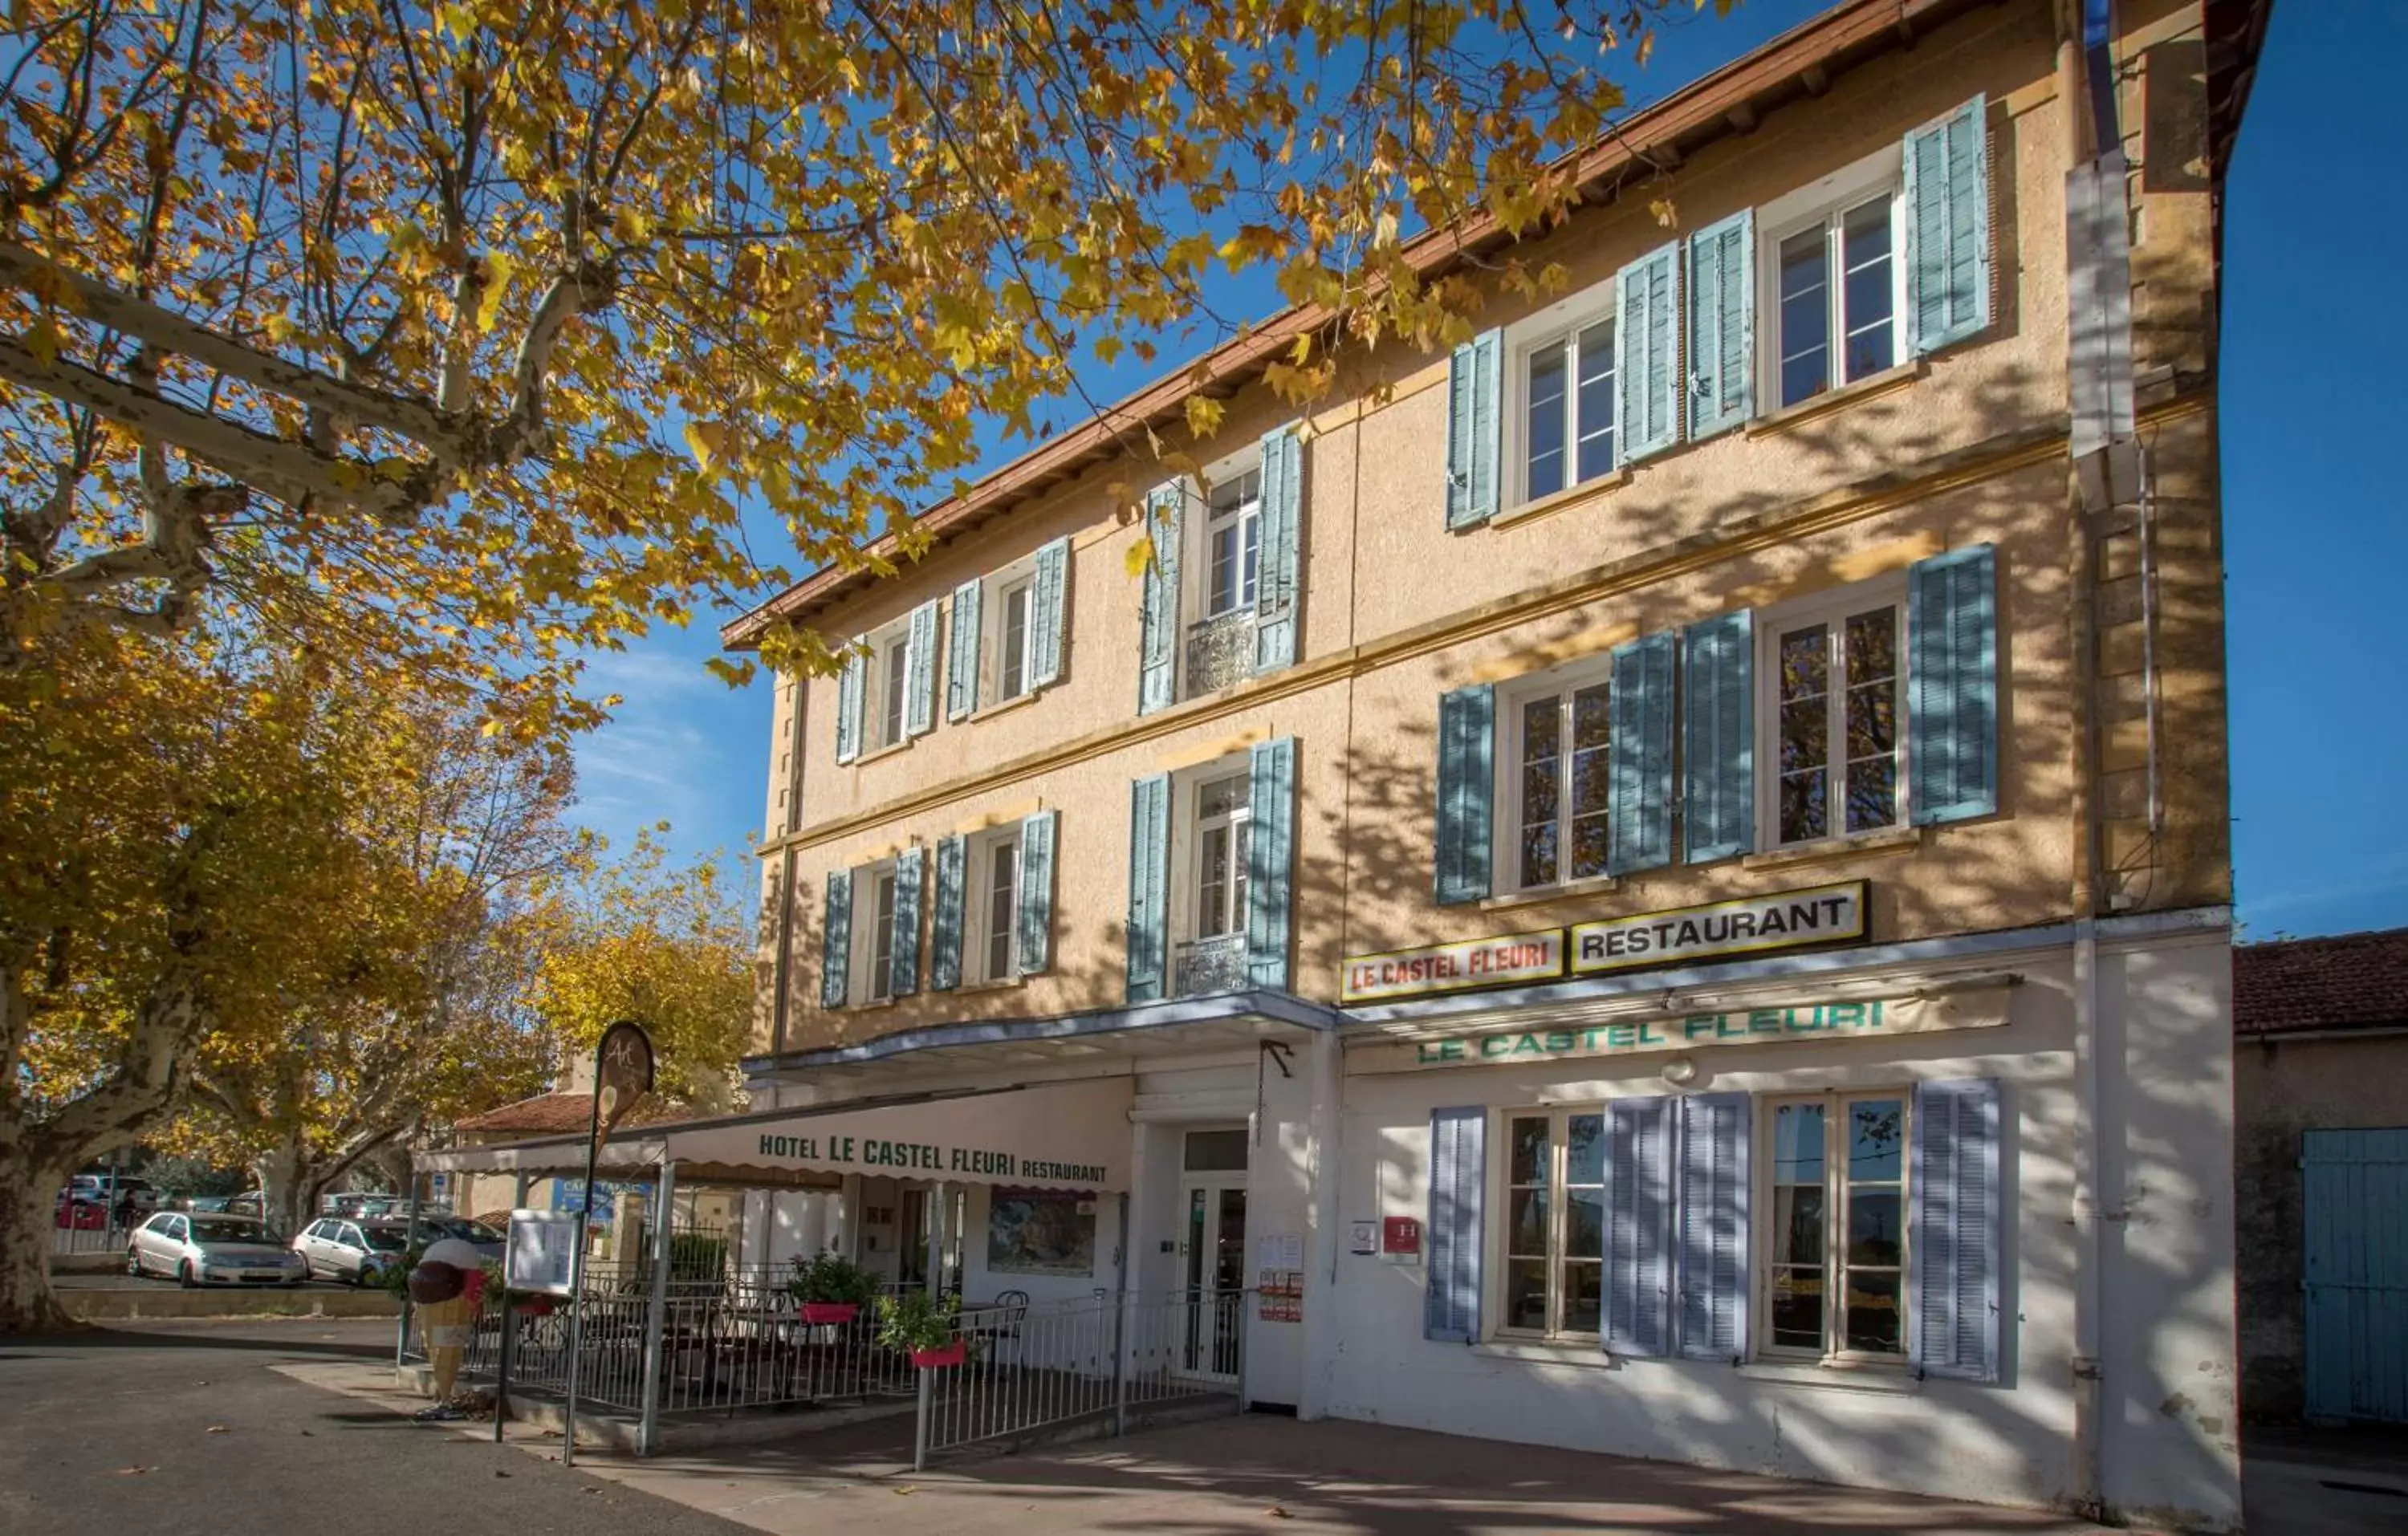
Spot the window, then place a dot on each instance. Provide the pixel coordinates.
(1567, 417)
(1214, 1152)
(893, 673)
(1223, 823)
(1557, 788)
(1233, 533)
(1836, 1280)
(879, 938)
(1011, 637)
(1837, 298)
(998, 907)
(1555, 1224)
(1836, 685)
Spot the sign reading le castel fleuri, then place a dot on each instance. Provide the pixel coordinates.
(1755, 925)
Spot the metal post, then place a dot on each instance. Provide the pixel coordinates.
(1245, 1326)
(656, 1309)
(409, 1233)
(920, 1432)
(502, 1373)
(577, 1285)
(1120, 1319)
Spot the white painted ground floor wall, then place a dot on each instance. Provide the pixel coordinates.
(2169, 1445)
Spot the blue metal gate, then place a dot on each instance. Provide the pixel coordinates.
(2356, 1272)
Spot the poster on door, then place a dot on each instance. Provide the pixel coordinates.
(1279, 1295)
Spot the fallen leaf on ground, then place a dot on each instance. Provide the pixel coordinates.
(906, 1490)
(133, 1472)
(310, 1433)
(215, 1430)
(1279, 1512)
(498, 1472)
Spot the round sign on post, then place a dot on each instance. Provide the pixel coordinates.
(623, 1074)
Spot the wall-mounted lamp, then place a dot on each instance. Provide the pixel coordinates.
(1681, 1071)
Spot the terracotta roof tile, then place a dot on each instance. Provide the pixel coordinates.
(2353, 981)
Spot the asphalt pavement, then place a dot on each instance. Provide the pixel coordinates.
(167, 1428)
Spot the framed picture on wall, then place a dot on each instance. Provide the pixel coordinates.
(1040, 1232)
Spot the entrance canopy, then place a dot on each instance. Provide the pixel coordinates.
(1070, 1135)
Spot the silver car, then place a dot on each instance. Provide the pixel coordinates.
(360, 1252)
(202, 1249)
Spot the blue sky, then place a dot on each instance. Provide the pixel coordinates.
(2317, 532)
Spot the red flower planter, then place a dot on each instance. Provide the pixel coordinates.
(816, 1312)
(952, 1354)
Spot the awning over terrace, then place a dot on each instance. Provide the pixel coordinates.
(1071, 1135)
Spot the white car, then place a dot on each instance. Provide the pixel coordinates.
(203, 1248)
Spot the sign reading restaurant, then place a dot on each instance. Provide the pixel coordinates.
(1755, 925)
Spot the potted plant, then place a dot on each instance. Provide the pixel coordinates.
(922, 1325)
(832, 1288)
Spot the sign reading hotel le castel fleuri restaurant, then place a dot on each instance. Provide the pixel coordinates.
(1755, 925)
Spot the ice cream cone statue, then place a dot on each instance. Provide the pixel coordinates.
(448, 1290)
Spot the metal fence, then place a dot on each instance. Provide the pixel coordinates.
(105, 1236)
(1034, 1367)
(739, 1343)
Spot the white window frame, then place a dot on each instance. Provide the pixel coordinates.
(978, 917)
(1500, 1240)
(1833, 610)
(890, 652)
(1835, 1104)
(1561, 320)
(1824, 202)
(1245, 515)
(995, 641)
(1562, 682)
(876, 979)
(1185, 864)
(1196, 554)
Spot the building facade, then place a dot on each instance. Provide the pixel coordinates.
(2320, 1147)
(1657, 878)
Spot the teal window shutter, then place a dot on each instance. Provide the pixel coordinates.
(1952, 685)
(1270, 862)
(1948, 228)
(1032, 939)
(962, 654)
(1050, 597)
(1647, 353)
(904, 975)
(1718, 736)
(1458, 1181)
(1722, 324)
(1712, 1225)
(1639, 1135)
(836, 938)
(1475, 409)
(1282, 530)
(1157, 683)
(1466, 783)
(1639, 767)
(848, 706)
(945, 928)
(920, 672)
(1149, 918)
(1953, 1249)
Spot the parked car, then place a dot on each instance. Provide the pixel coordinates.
(489, 1243)
(83, 1216)
(95, 1187)
(201, 1248)
(359, 1252)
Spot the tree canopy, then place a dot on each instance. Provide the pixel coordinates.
(470, 329)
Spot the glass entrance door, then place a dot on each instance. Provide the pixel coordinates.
(1213, 1258)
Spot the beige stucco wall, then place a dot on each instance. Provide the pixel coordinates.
(1967, 447)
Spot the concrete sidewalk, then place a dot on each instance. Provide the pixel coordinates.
(1237, 1475)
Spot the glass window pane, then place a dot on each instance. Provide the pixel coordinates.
(1874, 1235)
(1239, 846)
(1806, 662)
(1872, 720)
(1541, 749)
(1798, 1309)
(1528, 1142)
(1797, 1144)
(1252, 531)
(1872, 1311)
(1584, 1295)
(1543, 423)
(1805, 317)
(1873, 794)
(1584, 1223)
(1805, 807)
(1871, 642)
(1805, 735)
(1526, 1294)
(1585, 1149)
(1525, 1229)
(1876, 1141)
(1221, 796)
(1595, 402)
(1589, 787)
(1867, 293)
(1223, 591)
(1797, 1224)
(1215, 1151)
(1015, 641)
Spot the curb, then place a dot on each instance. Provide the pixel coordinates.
(133, 1304)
